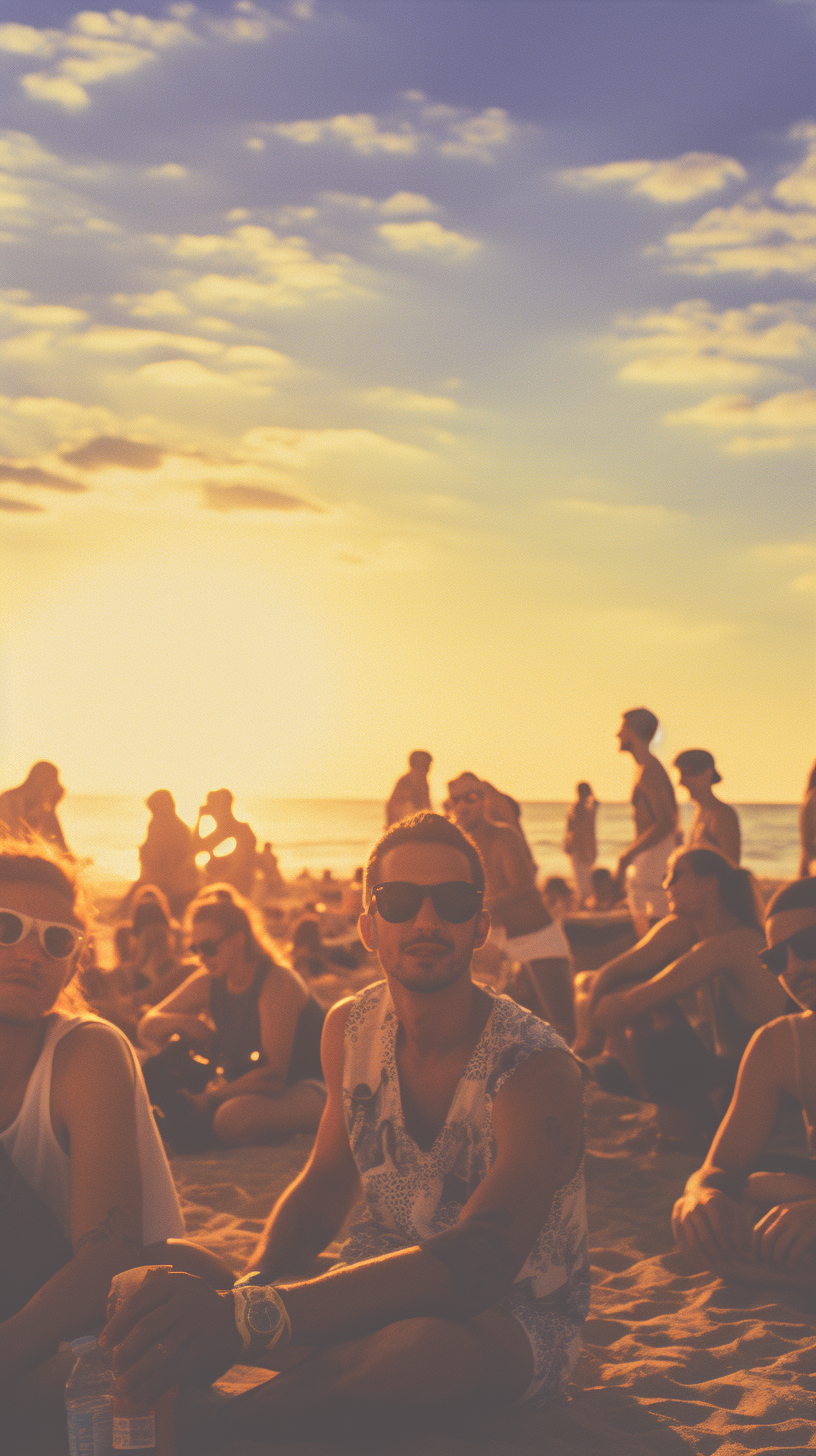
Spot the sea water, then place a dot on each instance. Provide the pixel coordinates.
(337, 834)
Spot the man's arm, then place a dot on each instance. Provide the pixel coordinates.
(537, 1118)
(93, 1097)
(708, 1224)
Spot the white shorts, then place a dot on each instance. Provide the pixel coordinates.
(549, 943)
(582, 875)
(644, 880)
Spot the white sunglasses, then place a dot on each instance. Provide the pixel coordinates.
(57, 940)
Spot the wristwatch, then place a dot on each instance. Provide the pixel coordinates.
(261, 1317)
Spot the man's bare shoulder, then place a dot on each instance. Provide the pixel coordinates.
(653, 772)
(91, 1062)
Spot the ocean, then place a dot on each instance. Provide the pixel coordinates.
(337, 834)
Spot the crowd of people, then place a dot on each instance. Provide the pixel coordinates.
(449, 1117)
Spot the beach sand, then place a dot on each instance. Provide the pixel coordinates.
(673, 1362)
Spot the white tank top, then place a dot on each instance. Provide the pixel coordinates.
(33, 1148)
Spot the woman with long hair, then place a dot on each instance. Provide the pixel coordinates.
(237, 1045)
(708, 946)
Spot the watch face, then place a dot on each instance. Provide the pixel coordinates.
(263, 1317)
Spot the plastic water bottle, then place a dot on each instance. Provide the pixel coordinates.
(89, 1401)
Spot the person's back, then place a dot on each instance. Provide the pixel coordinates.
(716, 825)
(30, 808)
(410, 794)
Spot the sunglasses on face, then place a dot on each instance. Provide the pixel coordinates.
(455, 901)
(206, 949)
(469, 798)
(802, 943)
(57, 940)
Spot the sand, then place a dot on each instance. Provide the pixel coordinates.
(673, 1362)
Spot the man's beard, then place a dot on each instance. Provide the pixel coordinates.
(458, 967)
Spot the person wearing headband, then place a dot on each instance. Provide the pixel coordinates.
(85, 1187)
(458, 1117)
(749, 1212)
(716, 825)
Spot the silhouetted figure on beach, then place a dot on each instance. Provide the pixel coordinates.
(31, 807)
(579, 839)
(521, 925)
(807, 828)
(750, 1212)
(654, 809)
(230, 845)
(411, 793)
(167, 857)
(272, 881)
(715, 825)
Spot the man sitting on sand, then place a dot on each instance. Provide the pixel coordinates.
(31, 808)
(707, 945)
(410, 794)
(654, 809)
(716, 825)
(522, 927)
(465, 1278)
(745, 1213)
(85, 1188)
(230, 845)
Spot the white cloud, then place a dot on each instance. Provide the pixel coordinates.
(16, 307)
(449, 131)
(95, 47)
(279, 446)
(168, 171)
(798, 188)
(428, 238)
(410, 401)
(784, 421)
(161, 304)
(108, 339)
(678, 179)
(694, 344)
(402, 204)
(275, 272)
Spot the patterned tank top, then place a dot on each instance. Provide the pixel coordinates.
(411, 1194)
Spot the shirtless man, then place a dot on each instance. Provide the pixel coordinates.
(410, 794)
(709, 945)
(715, 825)
(465, 1278)
(654, 809)
(747, 1214)
(522, 926)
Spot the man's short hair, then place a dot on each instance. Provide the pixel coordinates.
(420, 759)
(475, 784)
(423, 828)
(642, 722)
(798, 895)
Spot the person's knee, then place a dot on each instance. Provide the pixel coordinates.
(233, 1124)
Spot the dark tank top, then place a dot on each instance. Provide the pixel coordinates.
(238, 1031)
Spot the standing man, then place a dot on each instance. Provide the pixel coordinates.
(580, 843)
(654, 809)
(411, 793)
(522, 926)
(716, 825)
(465, 1278)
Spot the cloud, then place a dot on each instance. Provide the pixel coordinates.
(16, 307)
(32, 424)
(428, 238)
(678, 179)
(401, 204)
(110, 339)
(274, 272)
(161, 304)
(95, 48)
(447, 130)
(107, 450)
(252, 498)
(622, 512)
(26, 507)
(184, 374)
(169, 171)
(32, 475)
(278, 445)
(784, 421)
(409, 400)
(694, 344)
(798, 189)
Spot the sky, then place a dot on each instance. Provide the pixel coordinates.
(383, 374)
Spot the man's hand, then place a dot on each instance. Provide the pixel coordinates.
(785, 1234)
(175, 1327)
(610, 1011)
(709, 1228)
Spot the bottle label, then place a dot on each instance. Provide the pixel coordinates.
(89, 1431)
(134, 1433)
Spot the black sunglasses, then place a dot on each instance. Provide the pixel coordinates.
(455, 901)
(802, 943)
(206, 949)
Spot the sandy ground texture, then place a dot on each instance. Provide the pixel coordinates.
(674, 1364)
